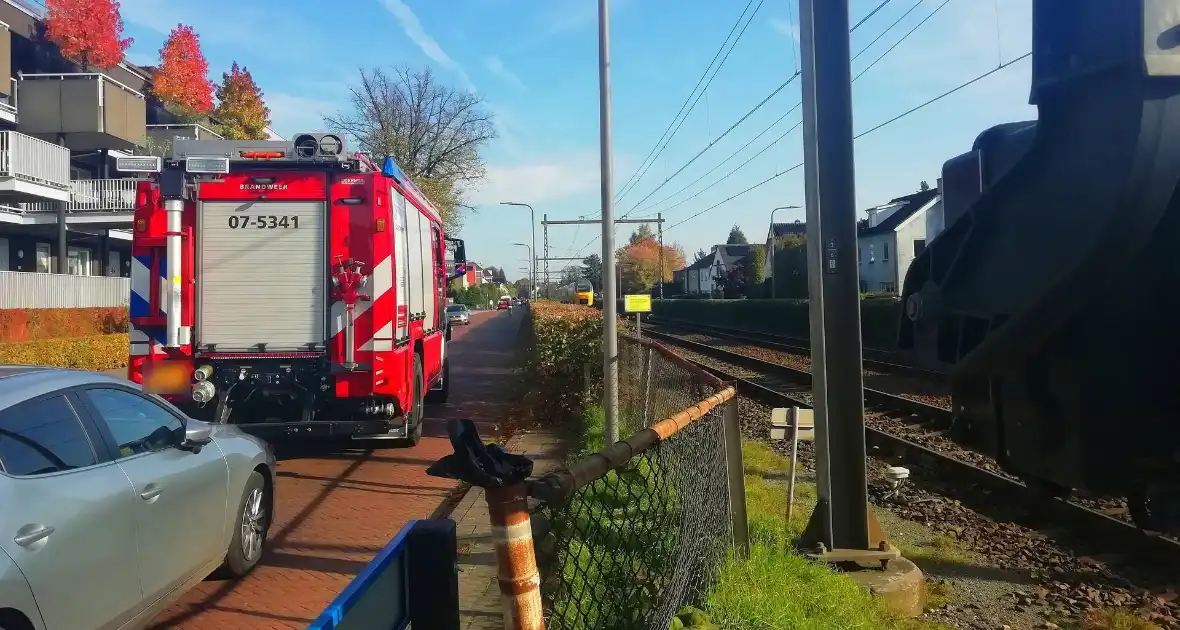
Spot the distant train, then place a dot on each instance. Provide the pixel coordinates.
(579, 292)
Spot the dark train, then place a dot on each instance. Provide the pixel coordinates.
(1049, 295)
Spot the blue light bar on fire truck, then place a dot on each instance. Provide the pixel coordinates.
(216, 165)
(138, 164)
(391, 169)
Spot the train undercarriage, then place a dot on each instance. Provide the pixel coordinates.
(1049, 296)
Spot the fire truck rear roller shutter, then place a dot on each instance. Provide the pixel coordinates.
(262, 284)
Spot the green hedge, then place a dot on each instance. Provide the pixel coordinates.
(562, 338)
(879, 316)
(97, 352)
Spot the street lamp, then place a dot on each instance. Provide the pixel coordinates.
(533, 227)
(533, 266)
(773, 237)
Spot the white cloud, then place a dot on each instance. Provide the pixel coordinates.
(413, 29)
(496, 66)
(785, 27)
(548, 179)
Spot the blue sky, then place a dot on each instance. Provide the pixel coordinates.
(535, 63)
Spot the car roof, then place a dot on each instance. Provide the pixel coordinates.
(19, 383)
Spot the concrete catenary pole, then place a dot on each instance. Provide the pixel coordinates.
(610, 346)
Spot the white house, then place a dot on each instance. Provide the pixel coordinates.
(890, 237)
(700, 277)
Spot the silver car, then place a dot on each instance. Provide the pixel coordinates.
(458, 314)
(113, 503)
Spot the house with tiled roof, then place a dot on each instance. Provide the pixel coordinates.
(890, 237)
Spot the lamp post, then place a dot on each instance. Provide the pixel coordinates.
(532, 266)
(773, 238)
(533, 229)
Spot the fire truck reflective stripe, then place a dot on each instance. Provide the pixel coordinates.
(381, 342)
(141, 287)
(337, 315)
(382, 278)
(377, 345)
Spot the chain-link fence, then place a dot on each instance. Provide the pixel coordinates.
(628, 535)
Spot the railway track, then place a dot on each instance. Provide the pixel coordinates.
(874, 359)
(778, 385)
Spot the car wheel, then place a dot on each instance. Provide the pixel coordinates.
(417, 414)
(250, 528)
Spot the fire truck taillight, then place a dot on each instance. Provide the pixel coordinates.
(262, 155)
(380, 225)
(140, 225)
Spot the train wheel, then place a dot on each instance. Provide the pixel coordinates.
(1155, 510)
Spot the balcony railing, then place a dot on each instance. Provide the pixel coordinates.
(94, 195)
(196, 131)
(87, 110)
(28, 159)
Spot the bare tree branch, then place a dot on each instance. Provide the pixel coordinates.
(435, 132)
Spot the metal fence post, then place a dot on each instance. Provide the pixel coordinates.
(516, 561)
(736, 473)
(648, 357)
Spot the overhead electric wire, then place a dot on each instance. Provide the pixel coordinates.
(722, 162)
(767, 99)
(711, 143)
(634, 179)
(773, 93)
(859, 135)
(903, 38)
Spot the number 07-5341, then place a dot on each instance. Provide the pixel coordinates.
(264, 221)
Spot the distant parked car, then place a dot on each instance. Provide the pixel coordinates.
(115, 503)
(459, 314)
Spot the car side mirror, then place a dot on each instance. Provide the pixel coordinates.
(197, 434)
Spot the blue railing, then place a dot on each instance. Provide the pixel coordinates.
(413, 581)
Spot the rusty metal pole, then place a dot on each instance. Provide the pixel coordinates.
(516, 561)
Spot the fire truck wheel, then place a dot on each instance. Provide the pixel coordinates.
(418, 413)
(439, 396)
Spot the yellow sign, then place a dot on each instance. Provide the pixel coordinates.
(637, 303)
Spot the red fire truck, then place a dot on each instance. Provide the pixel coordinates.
(289, 288)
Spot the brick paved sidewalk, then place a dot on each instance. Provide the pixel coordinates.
(479, 595)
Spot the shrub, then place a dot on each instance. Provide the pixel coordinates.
(96, 352)
(19, 324)
(879, 316)
(563, 338)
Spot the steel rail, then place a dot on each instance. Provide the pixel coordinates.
(874, 359)
(1081, 519)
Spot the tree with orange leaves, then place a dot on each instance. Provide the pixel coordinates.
(641, 261)
(87, 32)
(241, 113)
(182, 80)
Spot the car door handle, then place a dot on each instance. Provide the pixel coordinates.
(150, 492)
(28, 538)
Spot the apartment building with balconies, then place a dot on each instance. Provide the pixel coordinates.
(64, 208)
